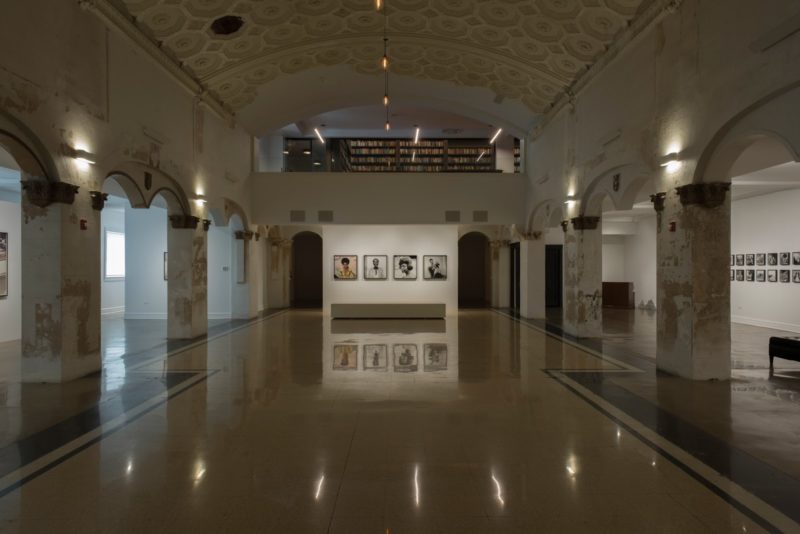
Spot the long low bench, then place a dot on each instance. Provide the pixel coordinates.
(388, 311)
(787, 348)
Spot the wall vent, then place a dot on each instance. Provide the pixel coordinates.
(325, 216)
(297, 216)
(480, 216)
(452, 216)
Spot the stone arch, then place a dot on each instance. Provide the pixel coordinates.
(635, 176)
(765, 118)
(222, 212)
(142, 184)
(540, 217)
(30, 154)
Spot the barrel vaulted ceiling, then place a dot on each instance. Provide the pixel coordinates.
(527, 50)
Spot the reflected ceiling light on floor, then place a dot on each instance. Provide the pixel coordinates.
(388, 126)
(319, 135)
(499, 495)
(385, 100)
(416, 135)
(413, 156)
(416, 484)
(496, 135)
(129, 467)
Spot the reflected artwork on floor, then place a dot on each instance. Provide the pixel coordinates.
(345, 357)
(740, 260)
(761, 259)
(750, 275)
(375, 267)
(786, 258)
(376, 358)
(405, 358)
(795, 258)
(435, 357)
(772, 275)
(772, 258)
(405, 267)
(435, 267)
(796, 276)
(740, 275)
(3, 264)
(786, 276)
(345, 267)
(750, 259)
(761, 276)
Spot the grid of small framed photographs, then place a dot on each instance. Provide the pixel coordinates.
(399, 357)
(774, 267)
(402, 267)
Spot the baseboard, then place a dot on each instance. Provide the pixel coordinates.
(218, 315)
(159, 316)
(114, 310)
(775, 325)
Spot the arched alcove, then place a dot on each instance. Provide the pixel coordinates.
(306, 278)
(474, 271)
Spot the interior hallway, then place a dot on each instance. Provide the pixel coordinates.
(261, 429)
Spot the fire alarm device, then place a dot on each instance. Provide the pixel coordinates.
(673, 226)
(84, 224)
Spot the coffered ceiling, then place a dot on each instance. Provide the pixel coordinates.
(525, 50)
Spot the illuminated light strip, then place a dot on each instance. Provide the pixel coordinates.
(416, 136)
(496, 136)
(416, 484)
(481, 156)
(316, 131)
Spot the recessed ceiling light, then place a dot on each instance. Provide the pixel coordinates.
(227, 25)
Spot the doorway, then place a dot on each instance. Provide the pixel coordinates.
(514, 297)
(554, 277)
(473, 271)
(306, 280)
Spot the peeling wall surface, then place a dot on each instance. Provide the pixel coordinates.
(583, 282)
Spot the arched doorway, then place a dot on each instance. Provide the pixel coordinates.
(474, 271)
(10, 250)
(306, 280)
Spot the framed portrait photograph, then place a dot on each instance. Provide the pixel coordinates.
(405, 358)
(345, 267)
(796, 276)
(434, 357)
(786, 258)
(376, 358)
(772, 258)
(749, 259)
(761, 259)
(761, 275)
(795, 258)
(434, 267)
(750, 275)
(3, 264)
(772, 275)
(376, 267)
(732, 260)
(740, 275)
(733, 275)
(405, 267)
(345, 357)
(786, 276)
(740, 260)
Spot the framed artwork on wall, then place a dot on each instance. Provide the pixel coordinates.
(796, 276)
(772, 275)
(376, 358)
(434, 357)
(750, 259)
(786, 276)
(786, 258)
(733, 275)
(376, 267)
(761, 259)
(740, 275)
(345, 267)
(795, 258)
(761, 276)
(405, 267)
(405, 358)
(740, 260)
(750, 275)
(345, 357)
(772, 258)
(3, 264)
(434, 267)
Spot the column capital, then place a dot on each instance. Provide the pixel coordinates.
(499, 243)
(184, 222)
(658, 201)
(245, 235)
(585, 222)
(98, 200)
(206, 224)
(41, 193)
(531, 236)
(705, 194)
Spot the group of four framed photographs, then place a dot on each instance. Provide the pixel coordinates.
(775, 259)
(404, 267)
(405, 358)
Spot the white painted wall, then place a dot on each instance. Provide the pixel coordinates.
(10, 323)
(614, 258)
(766, 224)
(390, 240)
(219, 272)
(112, 292)
(145, 244)
(629, 255)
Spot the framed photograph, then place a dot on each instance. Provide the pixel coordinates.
(772, 275)
(376, 358)
(795, 258)
(740, 260)
(405, 358)
(786, 258)
(761, 259)
(740, 275)
(345, 267)
(376, 267)
(434, 357)
(796, 276)
(732, 260)
(772, 258)
(3, 264)
(750, 275)
(345, 357)
(761, 276)
(733, 275)
(166, 263)
(786, 276)
(749, 259)
(405, 267)
(434, 267)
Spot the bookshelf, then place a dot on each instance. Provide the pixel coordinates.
(428, 155)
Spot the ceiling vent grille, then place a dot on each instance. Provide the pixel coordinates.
(325, 216)
(480, 216)
(452, 216)
(297, 216)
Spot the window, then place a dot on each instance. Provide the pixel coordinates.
(115, 255)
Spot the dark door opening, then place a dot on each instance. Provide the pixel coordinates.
(473, 271)
(554, 276)
(514, 298)
(306, 282)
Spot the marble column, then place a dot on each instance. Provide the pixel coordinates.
(532, 276)
(187, 285)
(693, 249)
(583, 277)
(60, 282)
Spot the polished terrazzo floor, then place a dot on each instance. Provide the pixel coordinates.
(294, 423)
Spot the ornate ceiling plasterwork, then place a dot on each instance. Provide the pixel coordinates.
(530, 50)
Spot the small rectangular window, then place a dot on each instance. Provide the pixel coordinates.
(115, 255)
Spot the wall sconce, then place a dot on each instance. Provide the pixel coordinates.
(671, 161)
(571, 200)
(200, 200)
(81, 155)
